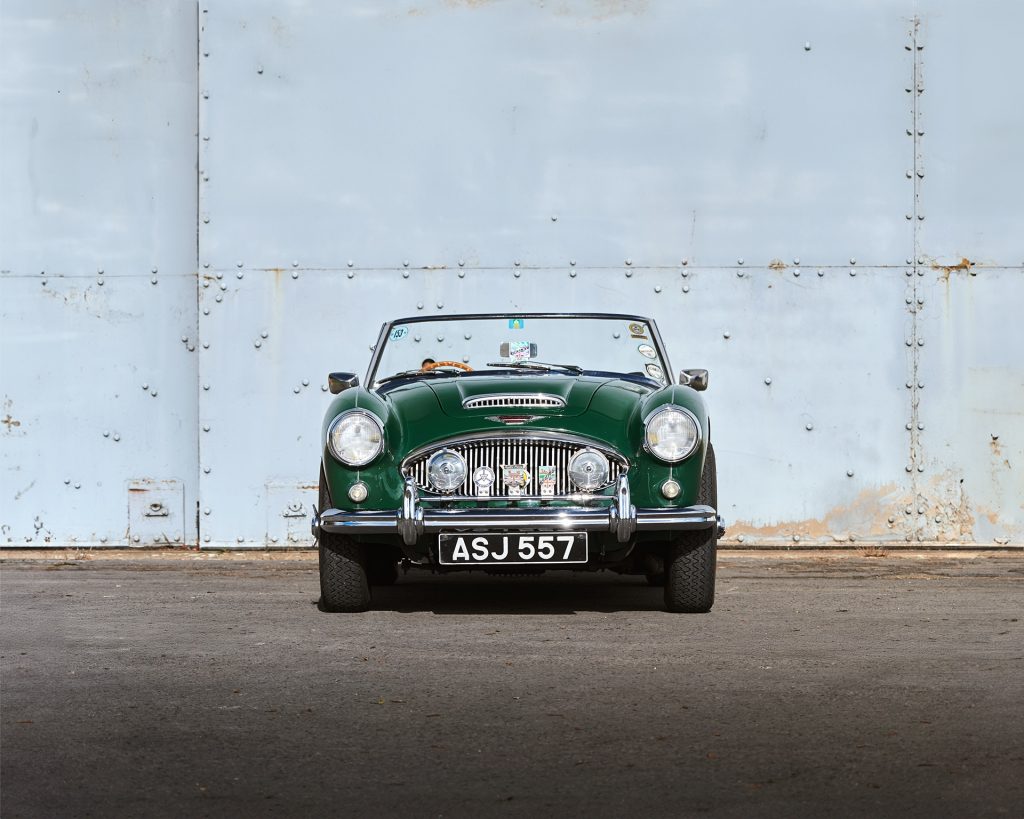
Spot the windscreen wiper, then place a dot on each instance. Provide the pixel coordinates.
(541, 366)
(418, 374)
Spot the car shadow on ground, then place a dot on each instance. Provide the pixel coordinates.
(483, 594)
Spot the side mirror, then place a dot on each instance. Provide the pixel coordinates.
(694, 379)
(339, 382)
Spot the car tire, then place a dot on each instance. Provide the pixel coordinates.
(690, 563)
(343, 581)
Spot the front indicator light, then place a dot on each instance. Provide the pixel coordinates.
(357, 492)
(670, 489)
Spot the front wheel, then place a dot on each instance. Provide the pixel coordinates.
(690, 563)
(343, 581)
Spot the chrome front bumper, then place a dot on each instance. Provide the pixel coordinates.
(412, 521)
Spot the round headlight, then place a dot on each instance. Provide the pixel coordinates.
(356, 438)
(672, 434)
(446, 470)
(588, 470)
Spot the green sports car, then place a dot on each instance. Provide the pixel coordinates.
(518, 444)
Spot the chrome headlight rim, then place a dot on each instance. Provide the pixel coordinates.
(606, 465)
(683, 411)
(465, 471)
(341, 418)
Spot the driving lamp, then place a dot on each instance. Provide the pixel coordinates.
(588, 470)
(446, 470)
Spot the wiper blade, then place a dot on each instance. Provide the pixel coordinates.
(541, 366)
(417, 374)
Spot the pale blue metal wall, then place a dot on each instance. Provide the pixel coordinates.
(790, 189)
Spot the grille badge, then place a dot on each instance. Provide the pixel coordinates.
(513, 420)
(483, 479)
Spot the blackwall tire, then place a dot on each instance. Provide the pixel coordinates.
(343, 582)
(691, 563)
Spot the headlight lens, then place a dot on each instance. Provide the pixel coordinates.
(672, 434)
(588, 470)
(446, 470)
(356, 438)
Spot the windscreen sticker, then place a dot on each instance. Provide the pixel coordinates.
(647, 351)
(399, 332)
(519, 350)
(654, 371)
(637, 330)
(516, 324)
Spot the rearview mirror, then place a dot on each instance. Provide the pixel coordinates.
(339, 382)
(694, 379)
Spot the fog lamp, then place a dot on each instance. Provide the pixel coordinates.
(588, 470)
(446, 470)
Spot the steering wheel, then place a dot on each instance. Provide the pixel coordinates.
(456, 364)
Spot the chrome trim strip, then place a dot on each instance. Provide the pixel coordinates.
(514, 399)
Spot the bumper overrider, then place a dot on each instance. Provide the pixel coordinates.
(412, 521)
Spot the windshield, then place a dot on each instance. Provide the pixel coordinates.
(564, 344)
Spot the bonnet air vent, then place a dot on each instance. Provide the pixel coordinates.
(514, 400)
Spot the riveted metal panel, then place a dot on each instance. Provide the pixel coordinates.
(971, 485)
(98, 130)
(971, 124)
(98, 127)
(98, 390)
(495, 132)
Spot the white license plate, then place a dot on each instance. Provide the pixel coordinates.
(512, 548)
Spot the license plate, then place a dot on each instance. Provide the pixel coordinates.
(512, 548)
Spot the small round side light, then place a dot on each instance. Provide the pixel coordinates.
(357, 492)
(670, 489)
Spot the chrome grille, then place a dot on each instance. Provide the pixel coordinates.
(514, 400)
(531, 453)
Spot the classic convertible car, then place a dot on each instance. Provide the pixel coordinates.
(518, 444)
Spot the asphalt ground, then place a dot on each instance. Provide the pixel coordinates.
(821, 684)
